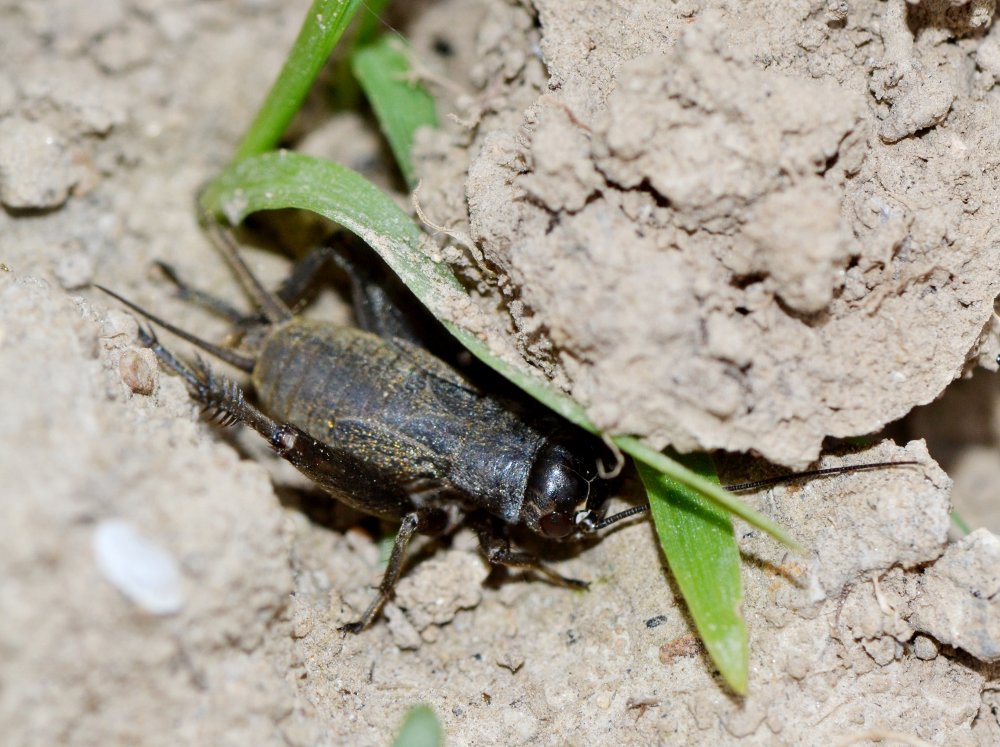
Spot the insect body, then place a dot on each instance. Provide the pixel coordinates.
(384, 426)
(421, 432)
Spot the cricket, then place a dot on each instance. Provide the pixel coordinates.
(387, 427)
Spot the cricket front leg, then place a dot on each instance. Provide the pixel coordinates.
(495, 544)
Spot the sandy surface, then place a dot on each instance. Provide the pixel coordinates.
(741, 226)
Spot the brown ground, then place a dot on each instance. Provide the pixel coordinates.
(741, 226)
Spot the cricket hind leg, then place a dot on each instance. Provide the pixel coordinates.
(494, 541)
(426, 521)
(224, 400)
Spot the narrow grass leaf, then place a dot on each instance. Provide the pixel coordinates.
(959, 522)
(659, 461)
(322, 28)
(400, 103)
(697, 540)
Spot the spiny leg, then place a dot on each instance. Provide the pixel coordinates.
(213, 392)
(148, 338)
(224, 398)
(427, 520)
(495, 544)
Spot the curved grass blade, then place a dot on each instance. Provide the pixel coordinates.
(272, 181)
(697, 540)
(322, 28)
(400, 103)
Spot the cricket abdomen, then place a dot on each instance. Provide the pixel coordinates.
(309, 372)
(417, 430)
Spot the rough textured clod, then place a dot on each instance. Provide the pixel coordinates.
(729, 234)
(959, 597)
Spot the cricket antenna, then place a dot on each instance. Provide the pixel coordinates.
(241, 362)
(615, 518)
(825, 472)
(741, 486)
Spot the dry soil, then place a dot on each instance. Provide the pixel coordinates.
(742, 226)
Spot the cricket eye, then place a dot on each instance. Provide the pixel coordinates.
(557, 525)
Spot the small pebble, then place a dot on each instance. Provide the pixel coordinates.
(403, 633)
(512, 660)
(140, 569)
(925, 648)
(138, 370)
(74, 268)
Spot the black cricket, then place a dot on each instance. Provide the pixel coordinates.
(385, 426)
(377, 418)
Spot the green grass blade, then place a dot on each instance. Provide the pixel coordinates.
(697, 540)
(322, 28)
(420, 729)
(640, 452)
(400, 103)
(272, 181)
(283, 179)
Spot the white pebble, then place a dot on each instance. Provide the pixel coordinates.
(140, 569)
